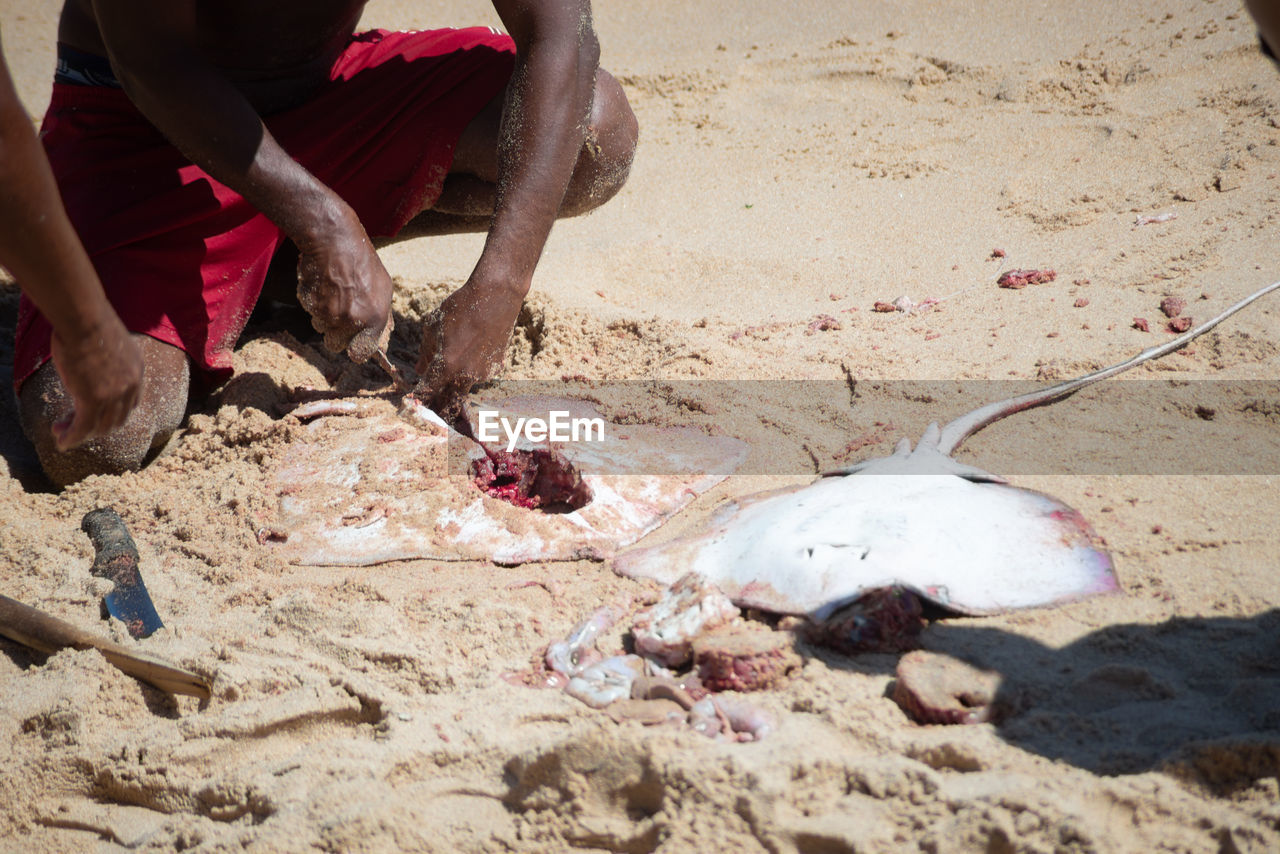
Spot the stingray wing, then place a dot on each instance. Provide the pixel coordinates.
(975, 548)
(364, 490)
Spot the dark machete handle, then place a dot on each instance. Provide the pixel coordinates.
(115, 557)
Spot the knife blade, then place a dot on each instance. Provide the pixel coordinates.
(397, 377)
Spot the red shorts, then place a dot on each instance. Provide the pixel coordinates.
(181, 256)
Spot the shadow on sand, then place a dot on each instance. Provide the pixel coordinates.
(1196, 696)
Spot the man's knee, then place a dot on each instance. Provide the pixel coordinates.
(43, 402)
(607, 153)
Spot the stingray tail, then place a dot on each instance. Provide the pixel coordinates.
(966, 425)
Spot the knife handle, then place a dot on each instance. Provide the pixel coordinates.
(115, 557)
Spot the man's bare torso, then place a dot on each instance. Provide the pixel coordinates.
(275, 52)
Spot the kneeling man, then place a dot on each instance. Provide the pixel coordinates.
(191, 139)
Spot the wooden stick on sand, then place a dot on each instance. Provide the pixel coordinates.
(46, 633)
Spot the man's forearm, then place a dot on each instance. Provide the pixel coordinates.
(221, 133)
(543, 127)
(153, 48)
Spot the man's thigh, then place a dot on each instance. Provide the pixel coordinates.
(383, 133)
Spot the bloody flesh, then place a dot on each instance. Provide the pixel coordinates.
(540, 478)
(1018, 279)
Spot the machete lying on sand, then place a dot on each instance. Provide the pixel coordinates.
(116, 559)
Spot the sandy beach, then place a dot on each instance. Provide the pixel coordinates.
(797, 165)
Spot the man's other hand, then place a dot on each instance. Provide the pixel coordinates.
(464, 342)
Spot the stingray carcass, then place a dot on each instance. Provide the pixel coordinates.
(369, 484)
(917, 520)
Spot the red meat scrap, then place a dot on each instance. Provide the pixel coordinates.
(1019, 279)
(822, 323)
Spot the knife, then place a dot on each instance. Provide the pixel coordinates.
(397, 378)
(116, 559)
